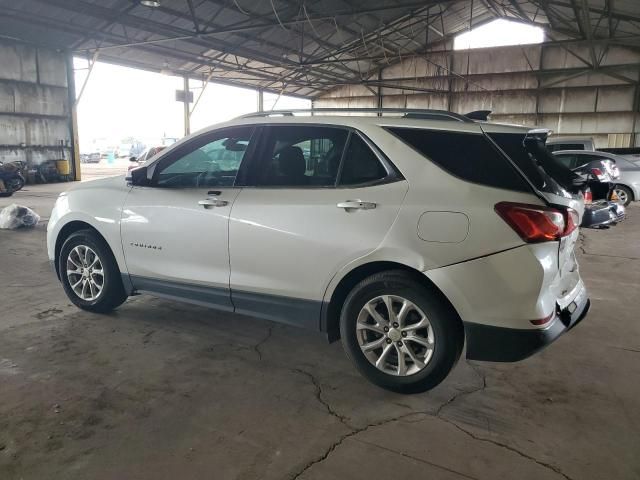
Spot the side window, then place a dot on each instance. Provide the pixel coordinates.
(299, 156)
(360, 164)
(210, 161)
(556, 147)
(469, 156)
(568, 161)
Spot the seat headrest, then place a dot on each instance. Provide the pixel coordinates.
(292, 163)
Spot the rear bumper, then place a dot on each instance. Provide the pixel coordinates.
(500, 344)
(602, 214)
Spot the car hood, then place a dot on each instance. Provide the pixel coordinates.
(109, 182)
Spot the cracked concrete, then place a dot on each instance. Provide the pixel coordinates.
(162, 390)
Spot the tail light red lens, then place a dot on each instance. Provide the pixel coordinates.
(573, 221)
(535, 223)
(542, 321)
(596, 171)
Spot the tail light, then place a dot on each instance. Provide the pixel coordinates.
(572, 221)
(597, 172)
(588, 197)
(535, 223)
(542, 321)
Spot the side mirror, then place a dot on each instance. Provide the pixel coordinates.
(138, 177)
(133, 159)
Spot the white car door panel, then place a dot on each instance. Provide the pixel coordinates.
(168, 235)
(291, 229)
(291, 242)
(175, 231)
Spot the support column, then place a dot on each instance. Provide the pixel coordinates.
(73, 120)
(187, 115)
(636, 111)
(260, 100)
(379, 94)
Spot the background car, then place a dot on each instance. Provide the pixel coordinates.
(147, 153)
(626, 185)
(93, 157)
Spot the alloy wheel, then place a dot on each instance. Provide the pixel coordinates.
(395, 335)
(85, 273)
(622, 196)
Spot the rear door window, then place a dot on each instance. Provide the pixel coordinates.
(360, 165)
(469, 156)
(298, 156)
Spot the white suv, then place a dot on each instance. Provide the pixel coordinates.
(406, 236)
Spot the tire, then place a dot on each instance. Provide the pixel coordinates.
(6, 194)
(624, 194)
(111, 294)
(445, 333)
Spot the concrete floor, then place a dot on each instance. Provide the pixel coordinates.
(162, 390)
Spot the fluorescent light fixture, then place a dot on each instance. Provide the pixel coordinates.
(150, 3)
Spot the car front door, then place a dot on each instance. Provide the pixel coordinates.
(175, 231)
(315, 199)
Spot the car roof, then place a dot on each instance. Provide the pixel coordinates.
(358, 122)
(569, 139)
(588, 152)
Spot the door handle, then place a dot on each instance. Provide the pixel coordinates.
(356, 205)
(212, 202)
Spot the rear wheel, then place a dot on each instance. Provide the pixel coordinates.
(89, 273)
(624, 194)
(401, 335)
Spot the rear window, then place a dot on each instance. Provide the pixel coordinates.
(468, 156)
(543, 170)
(512, 145)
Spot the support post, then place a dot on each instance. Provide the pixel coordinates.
(260, 100)
(187, 116)
(73, 120)
(636, 110)
(379, 93)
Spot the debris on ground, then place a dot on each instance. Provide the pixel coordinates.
(16, 216)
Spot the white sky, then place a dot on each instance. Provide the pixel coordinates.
(499, 33)
(120, 102)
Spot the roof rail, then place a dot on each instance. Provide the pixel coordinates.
(407, 112)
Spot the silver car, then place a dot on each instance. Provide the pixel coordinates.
(627, 184)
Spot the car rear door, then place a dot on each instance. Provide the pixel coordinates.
(315, 198)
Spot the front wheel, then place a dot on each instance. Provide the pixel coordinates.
(401, 335)
(624, 194)
(89, 273)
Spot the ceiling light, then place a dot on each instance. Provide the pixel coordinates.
(150, 3)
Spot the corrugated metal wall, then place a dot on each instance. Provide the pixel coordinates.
(538, 85)
(34, 104)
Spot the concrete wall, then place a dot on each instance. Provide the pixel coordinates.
(34, 104)
(538, 85)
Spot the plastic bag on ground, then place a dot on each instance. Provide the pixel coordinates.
(16, 216)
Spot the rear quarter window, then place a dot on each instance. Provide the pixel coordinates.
(468, 156)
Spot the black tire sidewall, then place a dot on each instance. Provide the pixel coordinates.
(447, 334)
(112, 292)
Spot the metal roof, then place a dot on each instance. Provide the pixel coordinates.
(291, 46)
